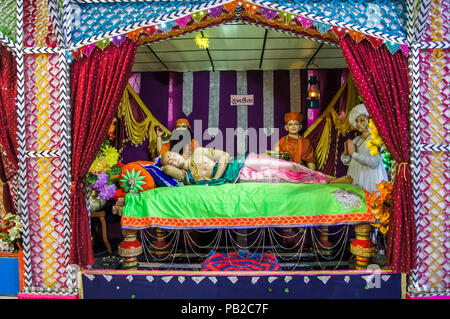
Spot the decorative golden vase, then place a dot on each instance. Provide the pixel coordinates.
(362, 247)
(130, 248)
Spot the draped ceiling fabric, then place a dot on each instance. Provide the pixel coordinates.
(8, 124)
(98, 82)
(382, 80)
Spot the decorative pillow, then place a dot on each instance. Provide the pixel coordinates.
(133, 177)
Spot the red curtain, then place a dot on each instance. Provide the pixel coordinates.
(97, 83)
(382, 80)
(8, 123)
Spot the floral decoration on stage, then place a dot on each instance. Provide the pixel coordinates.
(103, 174)
(201, 41)
(376, 146)
(380, 201)
(10, 232)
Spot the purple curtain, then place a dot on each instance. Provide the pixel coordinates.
(383, 83)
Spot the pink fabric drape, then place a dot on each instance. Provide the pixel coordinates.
(97, 82)
(382, 80)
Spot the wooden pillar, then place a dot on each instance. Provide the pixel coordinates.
(362, 247)
(130, 248)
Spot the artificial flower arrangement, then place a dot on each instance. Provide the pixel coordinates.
(10, 231)
(380, 202)
(376, 146)
(103, 173)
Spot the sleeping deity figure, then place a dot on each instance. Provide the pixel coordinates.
(215, 167)
(365, 169)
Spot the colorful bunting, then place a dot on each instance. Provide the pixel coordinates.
(392, 46)
(151, 30)
(357, 36)
(231, 6)
(88, 48)
(215, 12)
(286, 16)
(268, 13)
(198, 16)
(77, 53)
(118, 40)
(306, 23)
(167, 26)
(182, 22)
(374, 41)
(340, 32)
(134, 35)
(102, 44)
(322, 27)
(250, 8)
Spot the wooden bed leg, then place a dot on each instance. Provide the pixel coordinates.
(130, 248)
(325, 246)
(160, 245)
(362, 247)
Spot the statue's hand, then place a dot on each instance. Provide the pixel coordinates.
(350, 147)
(159, 131)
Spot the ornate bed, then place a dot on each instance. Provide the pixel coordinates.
(246, 205)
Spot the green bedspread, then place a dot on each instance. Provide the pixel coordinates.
(246, 205)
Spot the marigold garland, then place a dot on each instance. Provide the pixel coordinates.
(380, 202)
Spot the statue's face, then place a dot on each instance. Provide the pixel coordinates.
(181, 126)
(293, 127)
(362, 123)
(172, 158)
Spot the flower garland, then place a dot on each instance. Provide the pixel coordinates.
(380, 202)
(11, 229)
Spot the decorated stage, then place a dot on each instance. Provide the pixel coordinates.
(375, 284)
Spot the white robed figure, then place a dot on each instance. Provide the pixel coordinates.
(365, 169)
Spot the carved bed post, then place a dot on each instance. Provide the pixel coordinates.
(130, 248)
(362, 247)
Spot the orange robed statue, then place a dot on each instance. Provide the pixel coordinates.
(297, 146)
(181, 140)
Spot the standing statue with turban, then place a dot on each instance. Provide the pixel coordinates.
(300, 148)
(181, 140)
(365, 169)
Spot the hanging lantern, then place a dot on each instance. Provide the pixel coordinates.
(201, 41)
(313, 100)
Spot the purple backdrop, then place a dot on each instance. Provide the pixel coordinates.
(155, 91)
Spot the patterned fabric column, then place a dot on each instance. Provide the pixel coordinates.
(268, 104)
(294, 80)
(214, 95)
(170, 103)
(188, 92)
(242, 121)
(433, 111)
